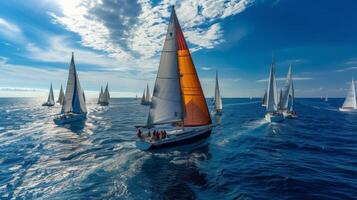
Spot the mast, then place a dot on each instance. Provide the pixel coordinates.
(166, 102)
(194, 102)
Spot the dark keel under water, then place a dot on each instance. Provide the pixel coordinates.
(311, 157)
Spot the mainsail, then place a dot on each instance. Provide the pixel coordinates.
(51, 99)
(100, 98)
(74, 99)
(264, 101)
(217, 96)
(272, 95)
(106, 95)
(143, 97)
(61, 96)
(196, 110)
(350, 101)
(177, 95)
(166, 103)
(288, 94)
(148, 95)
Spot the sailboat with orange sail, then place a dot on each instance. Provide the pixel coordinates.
(178, 112)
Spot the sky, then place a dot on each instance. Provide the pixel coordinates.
(119, 42)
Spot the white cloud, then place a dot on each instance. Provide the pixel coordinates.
(144, 33)
(205, 68)
(10, 31)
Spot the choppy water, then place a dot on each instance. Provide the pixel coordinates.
(313, 157)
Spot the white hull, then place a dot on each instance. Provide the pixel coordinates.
(347, 109)
(176, 138)
(69, 118)
(274, 117)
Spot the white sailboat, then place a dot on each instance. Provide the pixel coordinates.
(350, 101)
(50, 99)
(217, 98)
(74, 107)
(272, 113)
(61, 96)
(178, 99)
(288, 97)
(326, 97)
(105, 97)
(146, 98)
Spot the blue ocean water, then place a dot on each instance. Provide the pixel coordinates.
(312, 157)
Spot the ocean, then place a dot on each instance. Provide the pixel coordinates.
(311, 157)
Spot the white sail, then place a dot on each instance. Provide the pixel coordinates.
(61, 96)
(350, 101)
(217, 96)
(287, 92)
(74, 99)
(100, 98)
(143, 97)
(50, 99)
(264, 101)
(148, 95)
(106, 95)
(272, 95)
(166, 103)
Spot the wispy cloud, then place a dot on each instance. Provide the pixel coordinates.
(206, 68)
(134, 30)
(10, 31)
(284, 78)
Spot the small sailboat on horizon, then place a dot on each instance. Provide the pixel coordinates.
(50, 99)
(146, 98)
(74, 107)
(350, 103)
(272, 112)
(217, 98)
(178, 99)
(104, 97)
(61, 96)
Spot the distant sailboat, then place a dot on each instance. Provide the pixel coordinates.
(178, 98)
(74, 107)
(264, 101)
(61, 97)
(146, 98)
(217, 98)
(272, 113)
(104, 100)
(350, 101)
(288, 97)
(50, 99)
(326, 97)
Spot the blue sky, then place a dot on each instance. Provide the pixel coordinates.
(119, 42)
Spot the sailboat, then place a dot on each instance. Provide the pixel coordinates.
(272, 113)
(104, 97)
(350, 101)
(217, 99)
(61, 96)
(288, 97)
(326, 97)
(264, 101)
(178, 100)
(74, 106)
(50, 99)
(146, 98)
